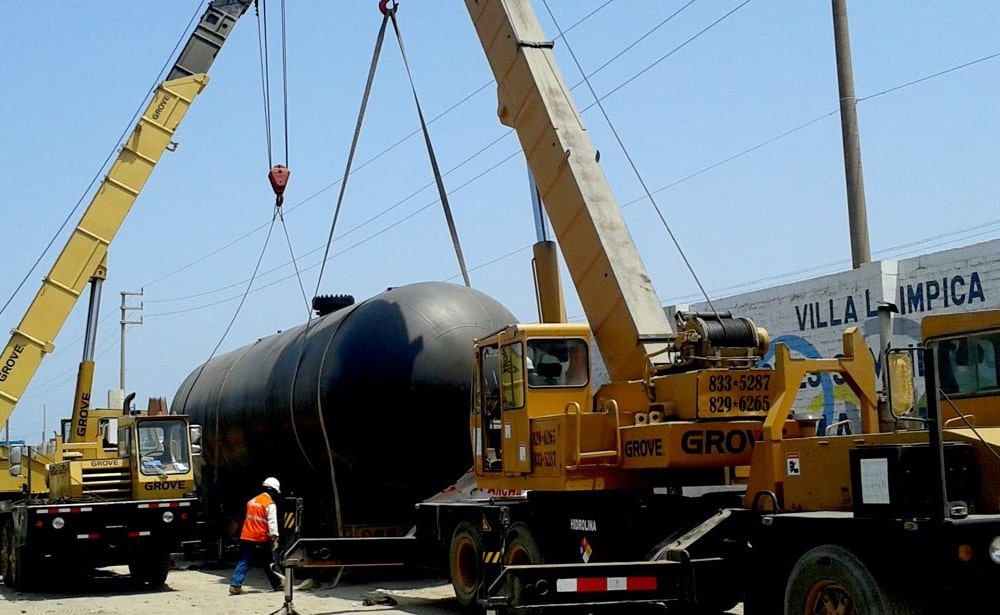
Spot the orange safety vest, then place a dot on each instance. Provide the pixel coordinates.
(255, 525)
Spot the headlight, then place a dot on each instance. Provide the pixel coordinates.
(995, 549)
(59, 523)
(168, 516)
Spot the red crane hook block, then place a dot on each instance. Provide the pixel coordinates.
(278, 178)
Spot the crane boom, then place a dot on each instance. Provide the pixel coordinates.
(616, 292)
(87, 246)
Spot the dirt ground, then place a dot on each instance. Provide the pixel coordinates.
(191, 588)
(197, 590)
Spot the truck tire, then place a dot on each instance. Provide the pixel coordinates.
(17, 563)
(521, 548)
(7, 549)
(831, 579)
(465, 565)
(149, 568)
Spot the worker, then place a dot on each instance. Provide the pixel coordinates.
(259, 538)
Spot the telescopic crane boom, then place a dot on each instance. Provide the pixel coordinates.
(85, 251)
(616, 292)
(687, 483)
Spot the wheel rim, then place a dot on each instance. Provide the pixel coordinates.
(517, 555)
(466, 566)
(829, 598)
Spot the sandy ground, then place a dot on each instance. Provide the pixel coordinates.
(192, 589)
(207, 591)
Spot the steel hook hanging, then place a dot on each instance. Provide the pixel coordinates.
(388, 7)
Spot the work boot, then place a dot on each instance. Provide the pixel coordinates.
(236, 590)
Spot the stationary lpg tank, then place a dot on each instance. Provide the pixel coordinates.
(364, 410)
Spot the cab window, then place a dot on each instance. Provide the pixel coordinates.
(109, 430)
(124, 443)
(512, 376)
(163, 447)
(558, 363)
(968, 365)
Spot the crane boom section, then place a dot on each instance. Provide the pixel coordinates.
(87, 247)
(614, 287)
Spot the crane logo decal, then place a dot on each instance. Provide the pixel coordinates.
(160, 106)
(81, 423)
(166, 485)
(702, 442)
(650, 447)
(11, 361)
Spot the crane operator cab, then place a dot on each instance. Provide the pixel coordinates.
(966, 346)
(544, 367)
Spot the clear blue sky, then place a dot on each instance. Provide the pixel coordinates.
(74, 74)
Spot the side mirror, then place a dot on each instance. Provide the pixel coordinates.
(14, 463)
(195, 432)
(901, 392)
(111, 435)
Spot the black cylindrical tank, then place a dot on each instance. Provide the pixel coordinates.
(365, 408)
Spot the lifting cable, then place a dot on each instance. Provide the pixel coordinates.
(388, 9)
(330, 454)
(384, 6)
(278, 178)
(628, 157)
(279, 173)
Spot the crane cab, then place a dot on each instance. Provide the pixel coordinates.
(531, 388)
(966, 345)
(159, 452)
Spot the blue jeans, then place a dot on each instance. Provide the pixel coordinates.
(255, 554)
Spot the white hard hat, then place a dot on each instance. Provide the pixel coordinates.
(272, 483)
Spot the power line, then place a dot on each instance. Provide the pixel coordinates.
(672, 184)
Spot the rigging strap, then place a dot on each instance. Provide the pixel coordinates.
(389, 8)
(354, 147)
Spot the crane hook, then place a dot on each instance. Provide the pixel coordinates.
(385, 8)
(278, 177)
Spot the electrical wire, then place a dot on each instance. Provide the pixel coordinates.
(104, 165)
(483, 88)
(468, 159)
(628, 156)
(935, 75)
(378, 156)
(668, 186)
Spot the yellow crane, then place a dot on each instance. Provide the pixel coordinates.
(118, 485)
(687, 480)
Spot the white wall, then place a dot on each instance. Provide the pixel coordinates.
(810, 316)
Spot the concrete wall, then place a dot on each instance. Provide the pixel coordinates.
(810, 316)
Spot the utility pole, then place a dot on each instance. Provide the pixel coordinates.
(125, 321)
(857, 212)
